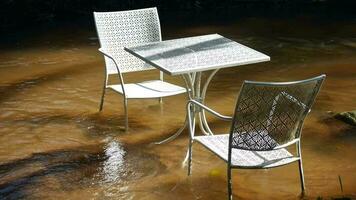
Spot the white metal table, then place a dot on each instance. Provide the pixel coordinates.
(190, 57)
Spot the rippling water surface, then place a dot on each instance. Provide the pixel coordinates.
(55, 144)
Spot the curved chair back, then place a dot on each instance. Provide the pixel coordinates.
(268, 115)
(126, 28)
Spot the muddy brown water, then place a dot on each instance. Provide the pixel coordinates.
(54, 144)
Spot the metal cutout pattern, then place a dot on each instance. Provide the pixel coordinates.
(117, 30)
(269, 115)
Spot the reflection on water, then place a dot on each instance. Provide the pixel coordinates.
(55, 144)
(113, 166)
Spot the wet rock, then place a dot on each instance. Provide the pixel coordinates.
(348, 117)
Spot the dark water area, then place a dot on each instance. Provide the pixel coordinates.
(56, 145)
(20, 15)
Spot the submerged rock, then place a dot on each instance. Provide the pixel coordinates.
(348, 117)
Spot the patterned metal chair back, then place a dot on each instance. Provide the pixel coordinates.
(271, 114)
(126, 28)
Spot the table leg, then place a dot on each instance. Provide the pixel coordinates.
(203, 94)
(193, 86)
(189, 82)
(200, 96)
(175, 135)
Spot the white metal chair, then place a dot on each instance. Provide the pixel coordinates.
(268, 118)
(128, 28)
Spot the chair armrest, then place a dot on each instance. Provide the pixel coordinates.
(211, 111)
(107, 54)
(287, 144)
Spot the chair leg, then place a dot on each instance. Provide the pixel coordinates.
(300, 165)
(102, 99)
(301, 173)
(190, 153)
(126, 115)
(229, 183)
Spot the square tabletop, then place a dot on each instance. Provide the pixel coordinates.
(196, 54)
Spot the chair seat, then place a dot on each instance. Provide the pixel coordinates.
(148, 89)
(219, 144)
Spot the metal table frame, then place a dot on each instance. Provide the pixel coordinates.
(217, 52)
(193, 82)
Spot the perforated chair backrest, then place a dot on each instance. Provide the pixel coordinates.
(268, 115)
(126, 28)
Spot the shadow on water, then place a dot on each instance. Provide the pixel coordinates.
(109, 164)
(93, 125)
(18, 175)
(11, 89)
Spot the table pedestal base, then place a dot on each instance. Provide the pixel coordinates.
(193, 85)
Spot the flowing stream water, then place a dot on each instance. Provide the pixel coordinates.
(54, 144)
